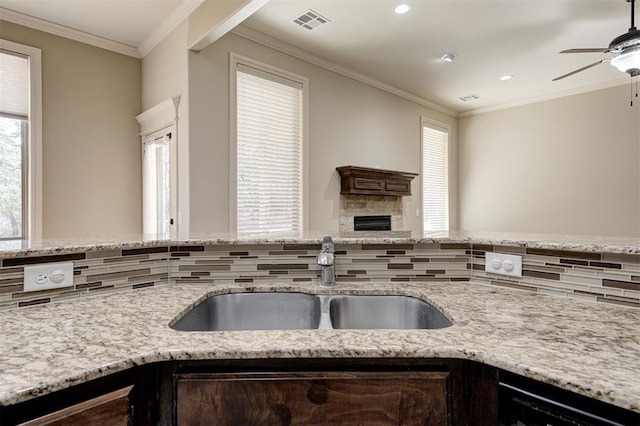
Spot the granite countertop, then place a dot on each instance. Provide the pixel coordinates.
(580, 346)
(588, 243)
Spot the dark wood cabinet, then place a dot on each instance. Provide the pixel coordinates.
(314, 398)
(128, 397)
(333, 391)
(347, 391)
(299, 391)
(111, 409)
(367, 181)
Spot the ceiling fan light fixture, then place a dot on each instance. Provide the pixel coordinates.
(628, 61)
(403, 8)
(448, 57)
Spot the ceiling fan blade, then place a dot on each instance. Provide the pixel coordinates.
(587, 50)
(580, 70)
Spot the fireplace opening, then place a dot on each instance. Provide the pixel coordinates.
(372, 223)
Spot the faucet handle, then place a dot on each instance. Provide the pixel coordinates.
(327, 244)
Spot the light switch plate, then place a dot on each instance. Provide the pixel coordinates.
(503, 264)
(47, 276)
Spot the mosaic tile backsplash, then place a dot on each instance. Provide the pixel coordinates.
(297, 263)
(94, 272)
(609, 278)
(600, 277)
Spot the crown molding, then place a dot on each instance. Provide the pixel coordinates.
(168, 25)
(548, 97)
(307, 56)
(66, 32)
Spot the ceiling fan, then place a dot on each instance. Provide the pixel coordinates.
(625, 47)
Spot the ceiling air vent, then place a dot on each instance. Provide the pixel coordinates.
(469, 98)
(310, 20)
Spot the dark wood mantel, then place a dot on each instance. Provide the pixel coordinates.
(366, 181)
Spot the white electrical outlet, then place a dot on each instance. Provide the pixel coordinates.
(503, 264)
(47, 276)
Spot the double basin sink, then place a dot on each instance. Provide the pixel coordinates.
(295, 311)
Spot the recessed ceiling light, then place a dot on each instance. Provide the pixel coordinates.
(403, 8)
(506, 77)
(448, 57)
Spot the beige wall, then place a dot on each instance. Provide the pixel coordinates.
(164, 69)
(91, 149)
(568, 166)
(165, 75)
(350, 124)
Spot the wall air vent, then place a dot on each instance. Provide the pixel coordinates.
(310, 20)
(469, 98)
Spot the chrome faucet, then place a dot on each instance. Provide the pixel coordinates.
(326, 260)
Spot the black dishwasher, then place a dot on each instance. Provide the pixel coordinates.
(525, 402)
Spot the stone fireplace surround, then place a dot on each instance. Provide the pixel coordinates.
(373, 192)
(371, 205)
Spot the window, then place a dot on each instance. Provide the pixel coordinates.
(435, 177)
(269, 151)
(157, 207)
(20, 163)
(158, 130)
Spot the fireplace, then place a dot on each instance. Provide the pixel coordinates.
(371, 200)
(368, 207)
(372, 223)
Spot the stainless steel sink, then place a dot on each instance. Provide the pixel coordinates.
(384, 312)
(290, 311)
(253, 311)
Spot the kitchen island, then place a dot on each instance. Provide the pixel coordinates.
(581, 346)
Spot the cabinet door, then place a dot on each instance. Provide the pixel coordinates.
(368, 184)
(106, 410)
(362, 398)
(399, 187)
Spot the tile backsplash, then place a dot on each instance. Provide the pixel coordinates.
(608, 278)
(94, 272)
(296, 263)
(601, 277)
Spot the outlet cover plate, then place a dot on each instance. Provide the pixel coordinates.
(494, 259)
(47, 276)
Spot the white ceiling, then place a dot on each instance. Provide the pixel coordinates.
(491, 38)
(125, 21)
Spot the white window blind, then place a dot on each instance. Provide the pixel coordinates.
(435, 178)
(269, 153)
(14, 85)
(14, 137)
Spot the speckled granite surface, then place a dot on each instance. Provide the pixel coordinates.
(583, 347)
(619, 245)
